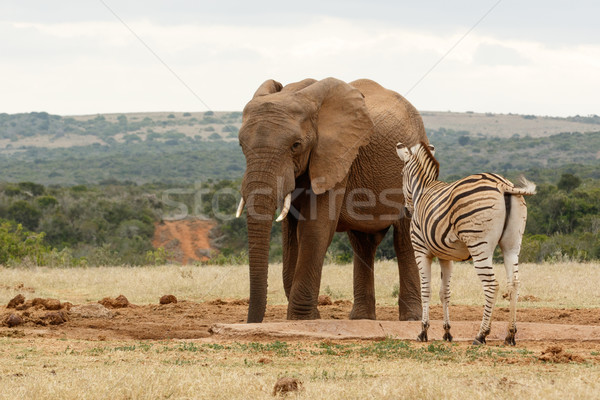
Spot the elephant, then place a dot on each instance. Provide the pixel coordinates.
(325, 152)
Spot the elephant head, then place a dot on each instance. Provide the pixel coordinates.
(309, 128)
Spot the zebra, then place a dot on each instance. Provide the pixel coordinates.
(460, 221)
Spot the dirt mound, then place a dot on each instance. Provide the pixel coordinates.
(556, 354)
(286, 385)
(168, 299)
(186, 240)
(118, 302)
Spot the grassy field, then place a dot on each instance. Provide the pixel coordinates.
(51, 368)
(550, 285)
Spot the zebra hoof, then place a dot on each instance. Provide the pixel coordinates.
(422, 336)
(510, 338)
(479, 340)
(447, 337)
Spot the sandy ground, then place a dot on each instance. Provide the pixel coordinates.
(223, 320)
(186, 240)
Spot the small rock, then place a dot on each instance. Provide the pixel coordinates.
(325, 300)
(286, 385)
(168, 299)
(14, 320)
(15, 301)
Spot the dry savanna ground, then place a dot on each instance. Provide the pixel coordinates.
(151, 350)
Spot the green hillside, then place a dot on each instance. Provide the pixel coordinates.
(187, 147)
(87, 190)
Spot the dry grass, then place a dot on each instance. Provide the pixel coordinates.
(44, 368)
(54, 369)
(545, 285)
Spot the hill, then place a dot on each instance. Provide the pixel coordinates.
(182, 148)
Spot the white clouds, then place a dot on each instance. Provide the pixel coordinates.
(101, 67)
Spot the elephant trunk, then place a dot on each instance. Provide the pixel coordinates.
(261, 200)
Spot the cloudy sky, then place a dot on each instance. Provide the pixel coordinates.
(74, 57)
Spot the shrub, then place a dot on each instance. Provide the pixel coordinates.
(17, 243)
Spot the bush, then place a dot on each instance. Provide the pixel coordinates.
(18, 244)
(25, 214)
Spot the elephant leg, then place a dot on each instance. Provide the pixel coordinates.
(364, 246)
(314, 234)
(409, 293)
(290, 252)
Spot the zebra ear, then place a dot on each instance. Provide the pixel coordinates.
(403, 151)
(432, 149)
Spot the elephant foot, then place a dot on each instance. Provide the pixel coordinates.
(362, 313)
(447, 336)
(410, 313)
(313, 314)
(510, 337)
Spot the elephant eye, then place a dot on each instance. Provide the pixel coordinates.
(296, 146)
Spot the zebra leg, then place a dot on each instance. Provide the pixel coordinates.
(485, 272)
(424, 264)
(446, 268)
(510, 243)
(511, 263)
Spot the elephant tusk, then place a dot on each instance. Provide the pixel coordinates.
(286, 207)
(240, 209)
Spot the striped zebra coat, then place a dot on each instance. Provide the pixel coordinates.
(459, 221)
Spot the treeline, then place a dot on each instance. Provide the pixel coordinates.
(18, 126)
(78, 225)
(563, 224)
(113, 223)
(543, 159)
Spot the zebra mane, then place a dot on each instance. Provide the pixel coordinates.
(426, 160)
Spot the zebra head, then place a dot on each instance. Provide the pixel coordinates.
(420, 167)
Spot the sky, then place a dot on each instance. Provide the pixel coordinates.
(75, 57)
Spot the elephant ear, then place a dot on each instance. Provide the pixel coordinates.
(296, 86)
(343, 126)
(268, 87)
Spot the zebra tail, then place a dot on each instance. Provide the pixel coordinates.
(527, 188)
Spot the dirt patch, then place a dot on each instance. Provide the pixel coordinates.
(191, 320)
(186, 240)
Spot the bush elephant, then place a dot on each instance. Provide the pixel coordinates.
(325, 152)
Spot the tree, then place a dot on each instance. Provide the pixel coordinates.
(25, 214)
(463, 140)
(568, 182)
